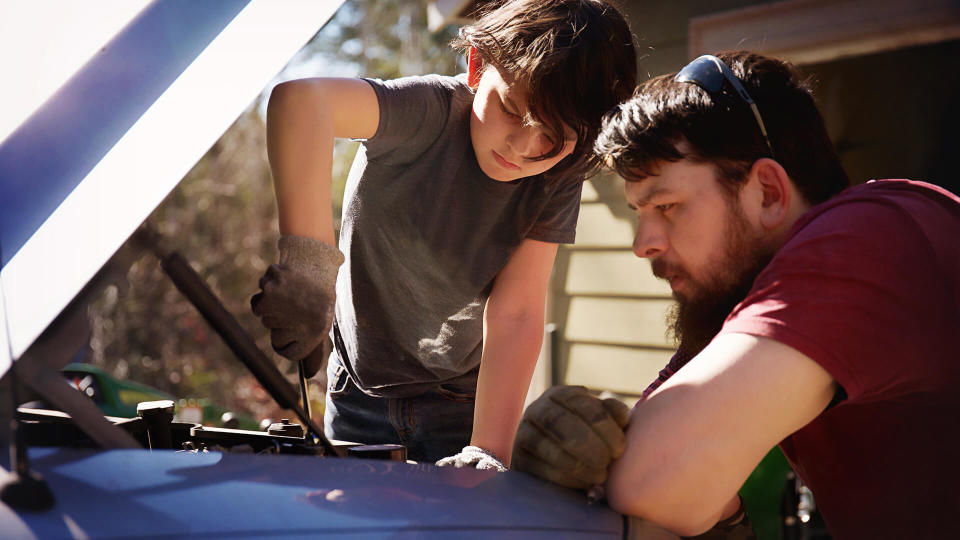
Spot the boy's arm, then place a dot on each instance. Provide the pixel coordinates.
(303, 118)
(512, 334)
(297, 296)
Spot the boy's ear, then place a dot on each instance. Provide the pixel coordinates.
(474, 67)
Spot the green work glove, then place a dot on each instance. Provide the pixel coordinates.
(569, 437)
(297, 298)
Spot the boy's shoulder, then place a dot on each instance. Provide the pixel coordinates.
(410, 99)
(415, 113)
(456, 84)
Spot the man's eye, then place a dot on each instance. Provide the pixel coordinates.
(664, 207)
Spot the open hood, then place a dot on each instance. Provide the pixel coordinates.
(156, 84)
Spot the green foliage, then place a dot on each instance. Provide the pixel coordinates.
(387, 40)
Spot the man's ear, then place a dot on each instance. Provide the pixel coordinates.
(474, 67)
(775, 190)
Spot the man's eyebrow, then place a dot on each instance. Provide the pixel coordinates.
(644, 202)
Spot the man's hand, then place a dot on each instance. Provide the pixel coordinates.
(474, 457)
(735, 527)
(297, 298)
(569, 437)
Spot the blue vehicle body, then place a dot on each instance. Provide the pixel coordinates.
(165, 494)
(77, 178)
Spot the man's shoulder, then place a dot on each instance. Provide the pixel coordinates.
(878, 257)
(895, 189)
(892, 191)
(872, 229)
(881, 207)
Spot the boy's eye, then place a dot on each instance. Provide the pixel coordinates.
(508, 112)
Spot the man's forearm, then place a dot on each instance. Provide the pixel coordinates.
(694, 441)
(510, 352)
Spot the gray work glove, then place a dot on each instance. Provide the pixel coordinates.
(474, 457)
(297, 298)
(569, 437)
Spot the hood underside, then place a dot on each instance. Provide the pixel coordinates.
(91, 162)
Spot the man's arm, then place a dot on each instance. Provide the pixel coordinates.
(303, 118)
(694, 441)
(512, 334)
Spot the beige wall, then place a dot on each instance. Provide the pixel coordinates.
(607, 307)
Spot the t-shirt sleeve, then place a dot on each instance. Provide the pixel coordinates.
(850, 290)
(413, 112)
(558, 220)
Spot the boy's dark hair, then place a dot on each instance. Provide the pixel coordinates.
(721, 129)
(575, 58)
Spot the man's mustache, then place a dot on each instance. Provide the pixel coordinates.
(664, 270)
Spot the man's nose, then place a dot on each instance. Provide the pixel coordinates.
(649, 242)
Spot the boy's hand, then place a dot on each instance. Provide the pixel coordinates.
(569, 437)
(297, 296)
(474, 457)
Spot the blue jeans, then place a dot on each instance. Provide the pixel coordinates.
(433, 425)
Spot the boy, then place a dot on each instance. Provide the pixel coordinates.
(452, 214)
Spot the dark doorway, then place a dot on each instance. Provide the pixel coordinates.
(894, 114)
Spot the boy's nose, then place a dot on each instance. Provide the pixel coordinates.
(649, 242)
(526, 141)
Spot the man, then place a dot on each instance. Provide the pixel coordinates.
(812, 316)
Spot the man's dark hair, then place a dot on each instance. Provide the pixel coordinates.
(575, 58)
(721, 129)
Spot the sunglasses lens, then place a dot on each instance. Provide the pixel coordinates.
(709, 72)
(704, 73)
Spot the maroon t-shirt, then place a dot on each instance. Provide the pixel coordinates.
(868, 285)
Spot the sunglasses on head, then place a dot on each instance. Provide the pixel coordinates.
(709, 72)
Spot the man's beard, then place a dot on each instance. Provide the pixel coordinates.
(694, 320)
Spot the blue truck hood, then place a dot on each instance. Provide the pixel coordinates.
(166, 494)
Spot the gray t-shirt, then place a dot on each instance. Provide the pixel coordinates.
(425, 233)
